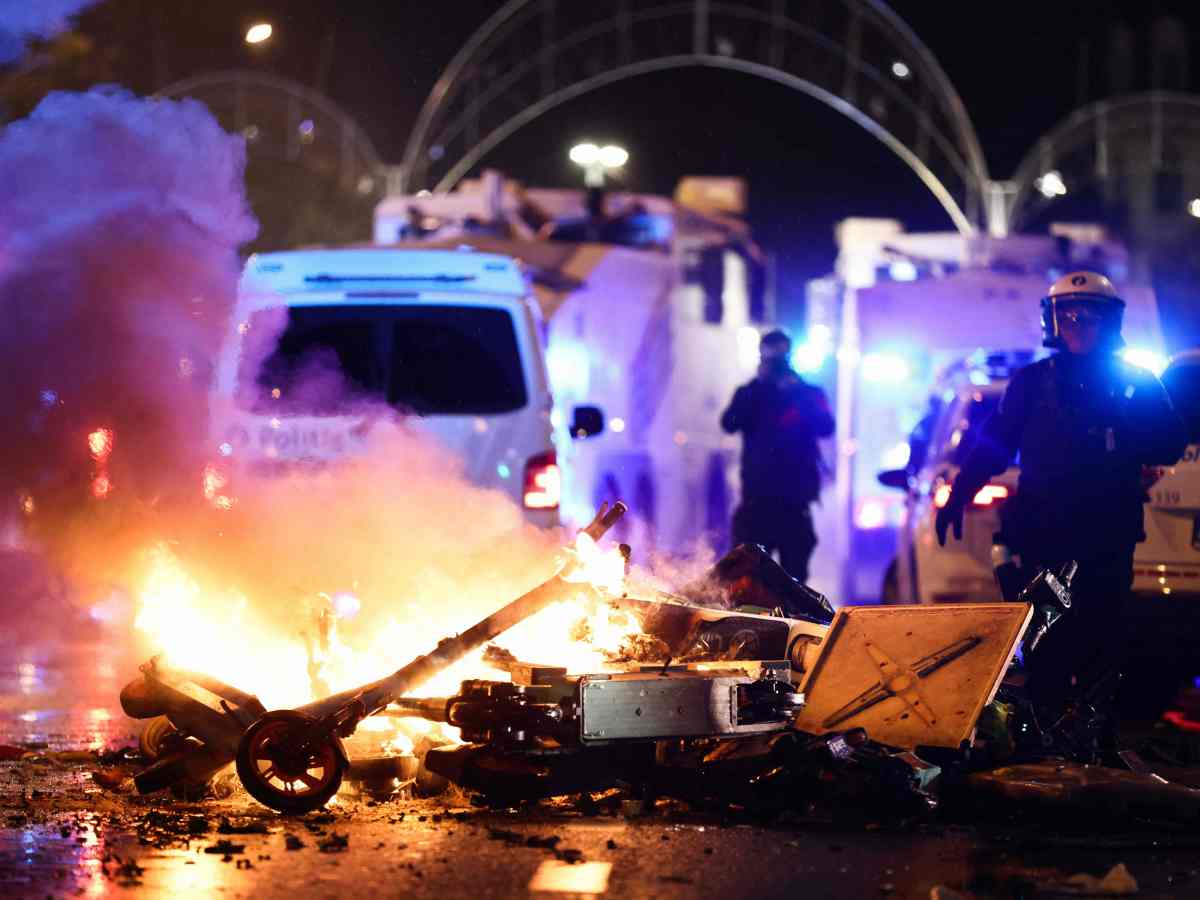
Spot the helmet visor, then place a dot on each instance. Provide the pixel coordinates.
(1082, 314)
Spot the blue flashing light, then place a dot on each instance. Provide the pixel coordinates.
(808, 359)
(810, 356)
(503, 470)
(885, 368)
(1144, 358)
(570, 367)
(979, 378)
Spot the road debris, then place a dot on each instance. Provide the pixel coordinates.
(1116, 882)
(335, 843)
(754, 695)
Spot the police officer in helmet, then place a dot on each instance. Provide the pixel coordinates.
(1084, 423)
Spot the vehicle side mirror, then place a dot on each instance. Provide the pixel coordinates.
(586, 422)
(894, 478)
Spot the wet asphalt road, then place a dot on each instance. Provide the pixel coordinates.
(62, 834)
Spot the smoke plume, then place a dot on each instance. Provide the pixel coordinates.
(118, 274)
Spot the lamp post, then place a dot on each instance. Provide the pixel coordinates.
(597, 162)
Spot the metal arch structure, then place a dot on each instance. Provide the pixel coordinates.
(284, 120)
(533, 55)
(1130, 135)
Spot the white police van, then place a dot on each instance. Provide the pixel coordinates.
(448, 340)
(1168, 562)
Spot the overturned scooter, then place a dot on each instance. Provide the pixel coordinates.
(293, 760)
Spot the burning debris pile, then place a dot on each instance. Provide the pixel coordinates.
(883, 709)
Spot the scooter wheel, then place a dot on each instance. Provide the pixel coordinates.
(278, 773)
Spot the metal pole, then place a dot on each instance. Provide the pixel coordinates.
(847, 389)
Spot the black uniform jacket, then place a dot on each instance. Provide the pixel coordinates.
(780, 425)
(1082, 427)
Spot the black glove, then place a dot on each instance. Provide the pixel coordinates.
(950, 514)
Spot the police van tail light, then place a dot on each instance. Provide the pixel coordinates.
(987, 495)
(543, 481)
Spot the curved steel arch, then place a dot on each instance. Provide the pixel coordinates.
(533, 55)
(276, 108)
(1133, 134)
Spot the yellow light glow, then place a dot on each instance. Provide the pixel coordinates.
(941, 496)
(100, 443)
(259, 32)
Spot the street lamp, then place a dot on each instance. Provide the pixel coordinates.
(1051, 184)
(259, 32)
(597, 161)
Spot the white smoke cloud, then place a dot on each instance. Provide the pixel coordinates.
(118, 271)
(21, 20)
(118, 275)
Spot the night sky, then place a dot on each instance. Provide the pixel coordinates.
(1017, 66)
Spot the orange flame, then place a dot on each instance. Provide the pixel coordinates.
(220, 634)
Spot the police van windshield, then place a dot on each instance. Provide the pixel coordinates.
(1182, 382)
(432, 360)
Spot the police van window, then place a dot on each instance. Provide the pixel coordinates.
(457, 360)
(325, 359)
(1182, 382)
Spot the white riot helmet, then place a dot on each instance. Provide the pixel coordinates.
(1088, 293)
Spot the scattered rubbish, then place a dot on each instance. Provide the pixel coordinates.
(569, 855)
(225, 847)
(1094, 795)
(111, 779)
(745, 689)
(335, 843)
(1116, 882)
(242, 826)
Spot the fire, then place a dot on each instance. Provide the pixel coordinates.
(218, 633)
(604, 569)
